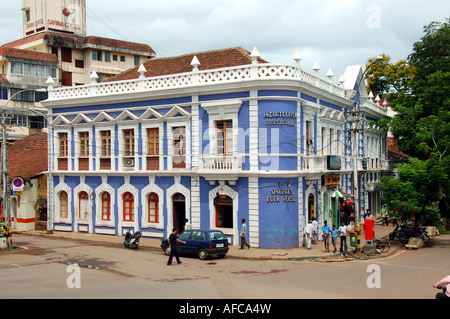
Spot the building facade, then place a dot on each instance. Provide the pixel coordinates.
(213, 137)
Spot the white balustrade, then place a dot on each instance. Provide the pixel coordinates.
(220, 163)
(207, 77)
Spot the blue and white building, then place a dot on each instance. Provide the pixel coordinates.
(217, 142)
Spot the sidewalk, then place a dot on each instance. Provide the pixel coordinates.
(316, 253)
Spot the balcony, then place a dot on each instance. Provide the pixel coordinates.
(214, 163)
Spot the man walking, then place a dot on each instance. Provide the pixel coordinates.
(173, 246)
(343, 232)
(244, 235)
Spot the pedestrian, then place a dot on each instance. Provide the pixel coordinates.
(187, 225)
(334, 234)
(343, 232)
(326, 236)
(309, 233)
(368, 215)
(384, 215)
(315, 229)
(445, 284)
(244, 234)
(173, 238)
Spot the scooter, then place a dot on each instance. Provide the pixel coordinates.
(132, 241)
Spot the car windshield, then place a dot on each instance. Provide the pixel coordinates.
(217, 235)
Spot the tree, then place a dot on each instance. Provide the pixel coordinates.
(418, 90)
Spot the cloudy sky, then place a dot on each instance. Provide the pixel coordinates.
(336, 33)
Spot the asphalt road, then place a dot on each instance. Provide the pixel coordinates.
(45, 270)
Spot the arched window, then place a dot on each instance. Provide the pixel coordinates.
(63, 205)
(128, 207)
(153, 201)
(106, 206)
(224, 211)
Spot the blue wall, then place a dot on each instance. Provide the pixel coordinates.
(278, 220)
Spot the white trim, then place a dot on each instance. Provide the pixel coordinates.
(177, 188)
(127, 187)
(98, 200)
(146, 191)
(170, 126)
(58, 189)
(82, 187)
(225, 190)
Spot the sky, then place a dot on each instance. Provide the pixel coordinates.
(335, 33)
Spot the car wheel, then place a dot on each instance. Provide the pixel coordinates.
(167, 250)
(202, 254)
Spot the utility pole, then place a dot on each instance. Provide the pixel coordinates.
(355, 129)
(5, 174)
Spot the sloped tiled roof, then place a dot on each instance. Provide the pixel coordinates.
(395, 151)
(181, 64)
(56, 38)
(28, 54)
(27, 157)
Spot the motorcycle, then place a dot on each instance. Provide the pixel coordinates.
(400, 230)
(132, 240)
(404, 232)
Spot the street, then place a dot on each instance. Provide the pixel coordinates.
(44, 269)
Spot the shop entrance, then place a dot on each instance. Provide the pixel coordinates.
(311, 207)
(224, 211)
(179, 211)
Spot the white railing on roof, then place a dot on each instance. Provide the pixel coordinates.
(249, 72)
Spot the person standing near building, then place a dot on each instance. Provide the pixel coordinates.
(343, 232)
(384, 215)
(173, 238)
(244, 234)
(187, 225)
(334, 233)
(326, 236)
(315, 229)
(309, 233)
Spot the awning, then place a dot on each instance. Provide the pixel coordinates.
(336, 193)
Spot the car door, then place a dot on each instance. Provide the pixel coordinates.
(197, 241)
(184, 236)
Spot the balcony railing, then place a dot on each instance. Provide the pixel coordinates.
(220, 163)
(249, 72)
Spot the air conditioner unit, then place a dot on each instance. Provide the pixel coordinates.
(128, 162)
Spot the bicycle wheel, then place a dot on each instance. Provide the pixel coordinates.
(384, 246)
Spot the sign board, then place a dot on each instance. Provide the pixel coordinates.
(17, 184)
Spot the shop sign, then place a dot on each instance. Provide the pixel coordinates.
(333, 162)
(278, 195)
(332, 180)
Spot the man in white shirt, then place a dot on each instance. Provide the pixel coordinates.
(309, 233)
(343, 232)
(315, 230)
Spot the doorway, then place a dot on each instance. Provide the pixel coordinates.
(311, 207)
(179, 211)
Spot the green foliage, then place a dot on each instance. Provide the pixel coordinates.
(421, 98)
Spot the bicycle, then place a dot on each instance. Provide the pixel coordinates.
(382, 246)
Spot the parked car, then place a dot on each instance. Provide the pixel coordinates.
(200, 242)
